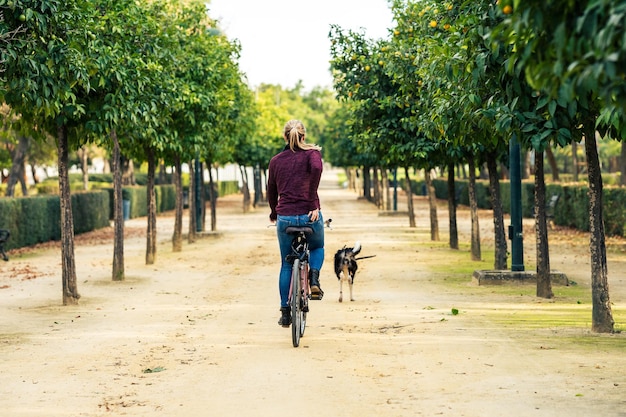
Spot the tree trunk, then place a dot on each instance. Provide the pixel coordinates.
(350, 179)
(553, 165)
(386, 190)
(84, 166)
(258, 186)
(380, 186)
(409, 197)
(432, 204)
(118, 213)
(544, 286)
(367, 185)
(191, 201)
(500, 261)
(201, 189)
(245, 188)
(213, 191)
(128, 171)
(483, 173)
(394, 204)
(162, 173)
(575, 161)
(376, 186)
(462, 172)
(18, 167)
(177, 237)
(33, 172)
(475, 240)
(454, 231)
(68, 265)
(151, 233)
(602, 318)
(622, 163)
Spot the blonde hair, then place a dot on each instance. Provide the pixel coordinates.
(295, 134)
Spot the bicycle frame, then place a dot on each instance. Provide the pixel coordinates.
(299, 291)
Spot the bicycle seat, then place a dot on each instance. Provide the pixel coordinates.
(292, 230)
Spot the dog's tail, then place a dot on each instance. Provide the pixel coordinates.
(357, 248)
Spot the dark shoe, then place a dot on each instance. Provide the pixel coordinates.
(285, 318)
(314, 283)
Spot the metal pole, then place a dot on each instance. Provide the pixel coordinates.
(515, 229)
(198, 185)
(395, 189)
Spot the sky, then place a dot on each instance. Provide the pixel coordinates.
(284, 41)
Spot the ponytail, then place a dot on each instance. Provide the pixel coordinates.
(295, 134)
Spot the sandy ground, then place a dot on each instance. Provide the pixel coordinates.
(196, 333)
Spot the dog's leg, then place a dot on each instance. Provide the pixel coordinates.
(351, 283)
(345, 275)
(340, 289)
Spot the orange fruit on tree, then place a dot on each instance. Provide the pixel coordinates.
(507, 9)
(433, 23)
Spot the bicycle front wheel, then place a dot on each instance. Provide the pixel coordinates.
(304, 295)
(296, 303)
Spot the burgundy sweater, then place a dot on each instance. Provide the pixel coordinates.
(292, 182)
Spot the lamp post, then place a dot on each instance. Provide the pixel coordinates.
(515, 229)
(198, 194)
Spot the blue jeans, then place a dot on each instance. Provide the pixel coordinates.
(316, 248)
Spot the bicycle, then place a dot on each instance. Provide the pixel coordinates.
(299, 290)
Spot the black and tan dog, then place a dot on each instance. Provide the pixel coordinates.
(346, 266)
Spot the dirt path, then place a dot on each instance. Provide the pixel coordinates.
(196, 334)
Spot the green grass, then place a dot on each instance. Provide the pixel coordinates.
(341, 177)
(456, 272)
(516, 306)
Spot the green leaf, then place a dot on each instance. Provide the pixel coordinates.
(552, 108)
(153, 370)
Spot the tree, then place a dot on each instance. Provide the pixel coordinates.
(127, 49)
(432, 58)
(45, 73)
(257, 148)
(379, 108)
(574, 53)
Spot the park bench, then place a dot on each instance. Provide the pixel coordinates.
(4, 236)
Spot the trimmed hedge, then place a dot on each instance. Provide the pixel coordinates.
(29, 218)
(572, 210)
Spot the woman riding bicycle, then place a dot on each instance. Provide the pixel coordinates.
(293, 179)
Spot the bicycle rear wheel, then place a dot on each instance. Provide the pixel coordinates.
(296, 303)
(304, 296)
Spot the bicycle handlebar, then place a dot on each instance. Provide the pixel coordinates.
(326, 224)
